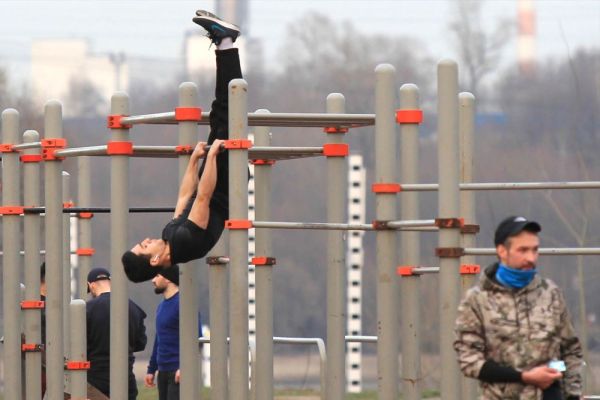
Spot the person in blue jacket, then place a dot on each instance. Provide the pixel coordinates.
(164, 362)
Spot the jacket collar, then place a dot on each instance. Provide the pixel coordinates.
(488, 281)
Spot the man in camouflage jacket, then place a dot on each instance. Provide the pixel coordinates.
(514, 323)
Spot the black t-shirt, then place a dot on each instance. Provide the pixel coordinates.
(98, 341)
(187, 240)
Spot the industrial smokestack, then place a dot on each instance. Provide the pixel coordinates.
(526, 37)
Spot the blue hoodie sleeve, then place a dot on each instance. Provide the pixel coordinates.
(153, 365)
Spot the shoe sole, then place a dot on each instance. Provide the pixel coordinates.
(217, 21)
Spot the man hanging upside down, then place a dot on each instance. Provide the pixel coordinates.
(203, 200)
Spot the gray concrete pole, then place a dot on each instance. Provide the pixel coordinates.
(466, 127)
(238, 246)
(448, 208)
(11, 262)
(337, 198)
(84, 196)
(264, 273)
(78, 350)
(217, 276)
(189, 281)
(119, 302)
(32, 247)
(66, 262)
(385, 172)
(54, 257)
(410, 286)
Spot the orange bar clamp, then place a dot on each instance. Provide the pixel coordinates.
(188, 114)
(409, 116)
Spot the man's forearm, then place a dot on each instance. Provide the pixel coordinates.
(208, 180)
(190, 179)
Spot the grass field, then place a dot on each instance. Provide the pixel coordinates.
(152, 394)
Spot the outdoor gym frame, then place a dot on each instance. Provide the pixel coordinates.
(456, 241)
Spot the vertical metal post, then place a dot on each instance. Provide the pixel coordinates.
(217, 276)
(84, 196)
(11, 246)
(466, 127)
(264, 273)
(119, 303)
(32, 246)
(410, 286)
(78, 349)
(189, 352)
(238, 246)
(66, 262)
(336, 262)
(385, 172)
(54, 258)
(448, 207)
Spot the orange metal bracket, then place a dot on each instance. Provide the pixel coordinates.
(238, 224)
(386, 187)
(119, 148)
(409, 116)
(32, 305)
(188, 114)
(114, 122)
(336, 149)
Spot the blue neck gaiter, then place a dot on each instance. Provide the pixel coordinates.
(514, 278)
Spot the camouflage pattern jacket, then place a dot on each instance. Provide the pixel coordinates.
(521, 329)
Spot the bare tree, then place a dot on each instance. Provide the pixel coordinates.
(479, 49)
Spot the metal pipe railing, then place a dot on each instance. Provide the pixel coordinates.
(315, 120)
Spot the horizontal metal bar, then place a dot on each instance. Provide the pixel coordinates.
(360, 339)
(82, 151)
(564, 251)
(296, 340)
(74, 210)
(315, 120)
(411, 223)
(25, 146)
(431, 187)
(426, 270)
(313, 225)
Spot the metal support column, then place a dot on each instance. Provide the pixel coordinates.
(84, 228)
(11, 261)
(448, 207)
(466, 127)
(238, 246)
(78, 350)
(188, 282)
(119, 302)
(386, 244)
(32, 247)
(264, 272)
(337, 171)
(410, 286)
(54, 258)
(217, 277)
(66, 272)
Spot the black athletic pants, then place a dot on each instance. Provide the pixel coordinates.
(168, 389)
(228, 68)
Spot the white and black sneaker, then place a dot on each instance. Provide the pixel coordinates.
(217, 28)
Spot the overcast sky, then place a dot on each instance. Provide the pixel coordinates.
(155, 28)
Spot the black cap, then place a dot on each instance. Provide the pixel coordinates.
(171, 273)
(98, 274)
(512, 226)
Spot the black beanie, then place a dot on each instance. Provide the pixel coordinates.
(171, 273)
(138, 268)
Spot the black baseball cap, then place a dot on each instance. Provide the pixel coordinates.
(97, 274)
(512, 226)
